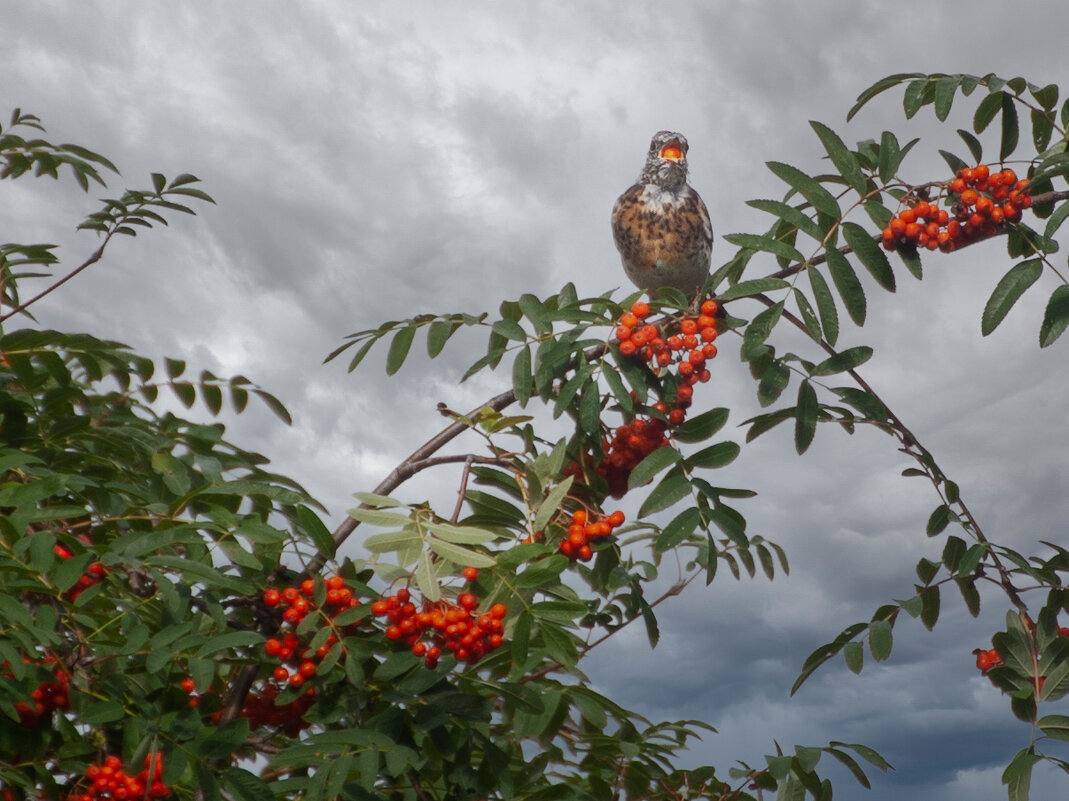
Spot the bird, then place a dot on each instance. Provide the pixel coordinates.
(661, 225)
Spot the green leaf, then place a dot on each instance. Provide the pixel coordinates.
(438, 334)
(945, 88)
(881, 85)
(805, 417)
(975, 148)
(829, 315)
(700, 428)
(682, 526)
(399, 347)
(930, 606)
(673, 488)
(986, 111)
(880, 639)
(654, 463)
(766, 244)
(1018, 774)
(854, 654)
(718, 455)
(319, 533)
(809, 188)
(460, 555)
(845, 161)
(848, 285)
(1056, 726)
(510, 329)
(870, 254)
(521, 376)
(1055, 317)
(755, 287)
(551, 505)
(938, 520)
(843, 361)
(790, 215)
(914, 96)
(229, 640)
(1009, 289)
(1010, 127)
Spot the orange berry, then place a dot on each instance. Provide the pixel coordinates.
(584, 553)
(617, 519)
(710, 307)
(980, 172)
(470, 573)
(913, 231)
(628, 348)
(907, 216)
(498, 611)
(623, 332)
(640, 308)
(708, 335)
(969, 197)
(957, 185)
(308, 586)
(272, 597)
(689, 326)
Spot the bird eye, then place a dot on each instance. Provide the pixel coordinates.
(671, 152)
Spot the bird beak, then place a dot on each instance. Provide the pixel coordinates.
(672, 150)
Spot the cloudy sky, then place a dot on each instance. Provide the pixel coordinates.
(373, 161)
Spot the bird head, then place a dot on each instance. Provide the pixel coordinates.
(666, 162)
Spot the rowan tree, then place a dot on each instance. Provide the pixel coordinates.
(177, 620)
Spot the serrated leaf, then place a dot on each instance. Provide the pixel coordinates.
(399, 347)
(854, 654)
(880, 639)
(755, 287)
(700, 428)
(848, 285)
(460, 555)
(943, 99)
(654, 463)
(986, 111)
(672, 489)
(767, 244)
(829, 315)
(1018, 774)
(809, 188)
(805, 417)
(1009, 289)
(845, 161)
(521, 376)
(1055, 316)
(718, 455)
(551, 505)
(320, 534)
(870, 254)
(682, 526)
(1010, 127)
(843, 361)
(790, 215)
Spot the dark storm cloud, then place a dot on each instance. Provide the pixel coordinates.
(371, 164)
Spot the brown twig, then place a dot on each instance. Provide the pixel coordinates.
(97, 254)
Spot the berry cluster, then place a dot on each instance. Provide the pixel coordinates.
(440, 626)
(110, 781)
(979, 201)
(297, 603)
(583, 531)
(687, 350)
(48, 696)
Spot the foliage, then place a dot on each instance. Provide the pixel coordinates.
(171, 602)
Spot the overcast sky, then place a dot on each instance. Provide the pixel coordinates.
(374, 161)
